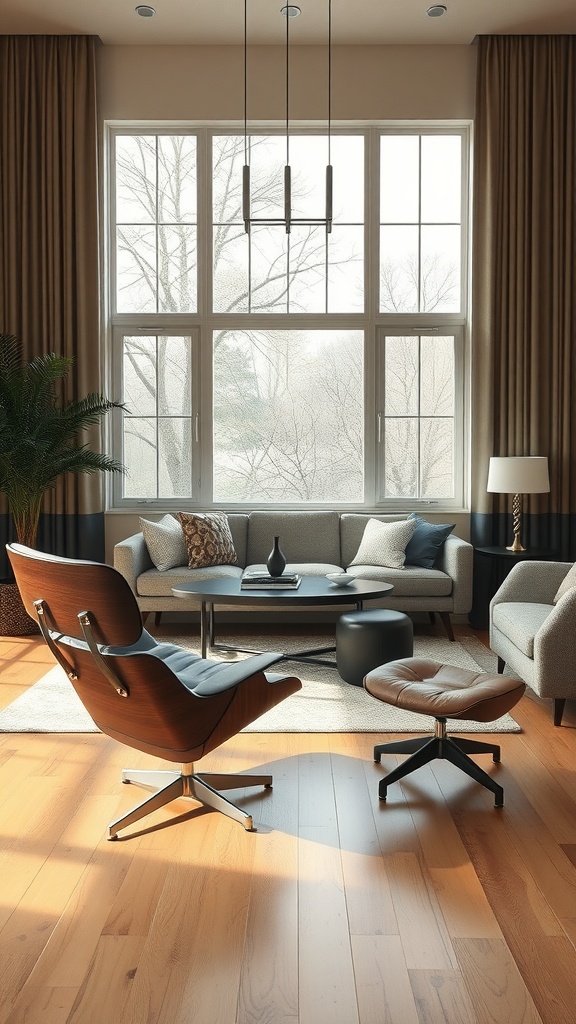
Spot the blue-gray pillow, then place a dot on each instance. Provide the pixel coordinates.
(426, 542)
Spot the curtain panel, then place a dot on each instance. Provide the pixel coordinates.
(524, 249)
(49, 244)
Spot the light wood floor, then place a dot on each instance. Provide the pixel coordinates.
(434, 908)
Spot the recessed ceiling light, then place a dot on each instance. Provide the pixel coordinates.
(145, 11)
(290, 11)
(436, 11)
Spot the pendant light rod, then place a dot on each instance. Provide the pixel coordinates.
(288, 11)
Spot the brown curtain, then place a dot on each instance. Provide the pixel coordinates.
(524, 278)
(49, 255)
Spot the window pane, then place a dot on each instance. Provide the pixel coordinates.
(230, 277)
(437, 382)
(401, 458)
(269, 252)
(440, 270)
(441, 179)
(346, 270)
(177, 269)
(420, 193)
(157, 425)
(288, 273)
(140, 454)
(156, 233)
(288, 416)
(399, 271)
(135, 179)
(174, 466)
(437, 458)
(136, 270)
(399, 179)
(177, 179)
(402, 376)
(140, 376)
(417, 421)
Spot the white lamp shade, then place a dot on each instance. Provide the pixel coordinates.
(518, 475)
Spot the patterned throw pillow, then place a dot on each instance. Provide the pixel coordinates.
(165, 542)
(568, 582)
(208, 539)
(384, 544)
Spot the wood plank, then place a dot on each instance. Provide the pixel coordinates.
(384, 992)
(494, 982)
(422, 928)
(442, 998)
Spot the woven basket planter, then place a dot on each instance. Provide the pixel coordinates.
(14, 619)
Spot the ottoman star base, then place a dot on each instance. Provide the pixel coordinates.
(444, 692)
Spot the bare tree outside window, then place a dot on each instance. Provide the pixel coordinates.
(288, 416)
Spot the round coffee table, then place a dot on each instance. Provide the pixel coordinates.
(313, 590)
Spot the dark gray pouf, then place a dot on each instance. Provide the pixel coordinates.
(367, 639)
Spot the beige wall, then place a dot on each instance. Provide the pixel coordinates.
(207, 83)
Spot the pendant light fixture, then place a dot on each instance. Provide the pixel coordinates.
(289, 11)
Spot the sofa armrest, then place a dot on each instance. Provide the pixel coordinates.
(131, 558)
(457, 561)
(531, 583)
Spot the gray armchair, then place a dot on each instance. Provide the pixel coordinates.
(532, 636)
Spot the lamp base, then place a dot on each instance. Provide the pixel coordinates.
(516, 546)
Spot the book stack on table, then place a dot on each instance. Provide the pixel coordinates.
(263, 581)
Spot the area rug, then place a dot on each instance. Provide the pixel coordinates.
(324, 704)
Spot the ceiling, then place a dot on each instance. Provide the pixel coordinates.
(218, 22)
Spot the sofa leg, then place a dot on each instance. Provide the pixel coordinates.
(144, 617)
(445, 616)
(432, 617)
(157, 618)
(501, 664)
(558, 710)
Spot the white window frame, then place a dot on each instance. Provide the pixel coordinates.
(204, 322)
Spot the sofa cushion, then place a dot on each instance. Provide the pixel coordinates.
(208, 539)
(427, 541)
(568, 582)
(384, 544)
(154, 584)
(165, 542)
(519, 622)
(409, 581)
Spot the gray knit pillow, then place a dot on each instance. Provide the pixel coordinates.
(165, 542)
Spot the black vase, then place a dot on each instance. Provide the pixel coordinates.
(276, 562)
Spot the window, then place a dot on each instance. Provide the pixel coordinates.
(289, 369)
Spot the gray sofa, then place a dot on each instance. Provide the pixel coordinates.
(314, 543)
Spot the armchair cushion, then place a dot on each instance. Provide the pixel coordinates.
(520, 622)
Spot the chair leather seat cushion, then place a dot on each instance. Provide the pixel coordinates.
(443, 691)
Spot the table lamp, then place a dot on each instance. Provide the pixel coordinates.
(518, 475)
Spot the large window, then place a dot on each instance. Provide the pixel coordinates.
(308, 368)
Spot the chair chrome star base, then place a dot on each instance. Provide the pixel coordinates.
(202, 786)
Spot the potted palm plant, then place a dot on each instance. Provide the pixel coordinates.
(40, 439)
